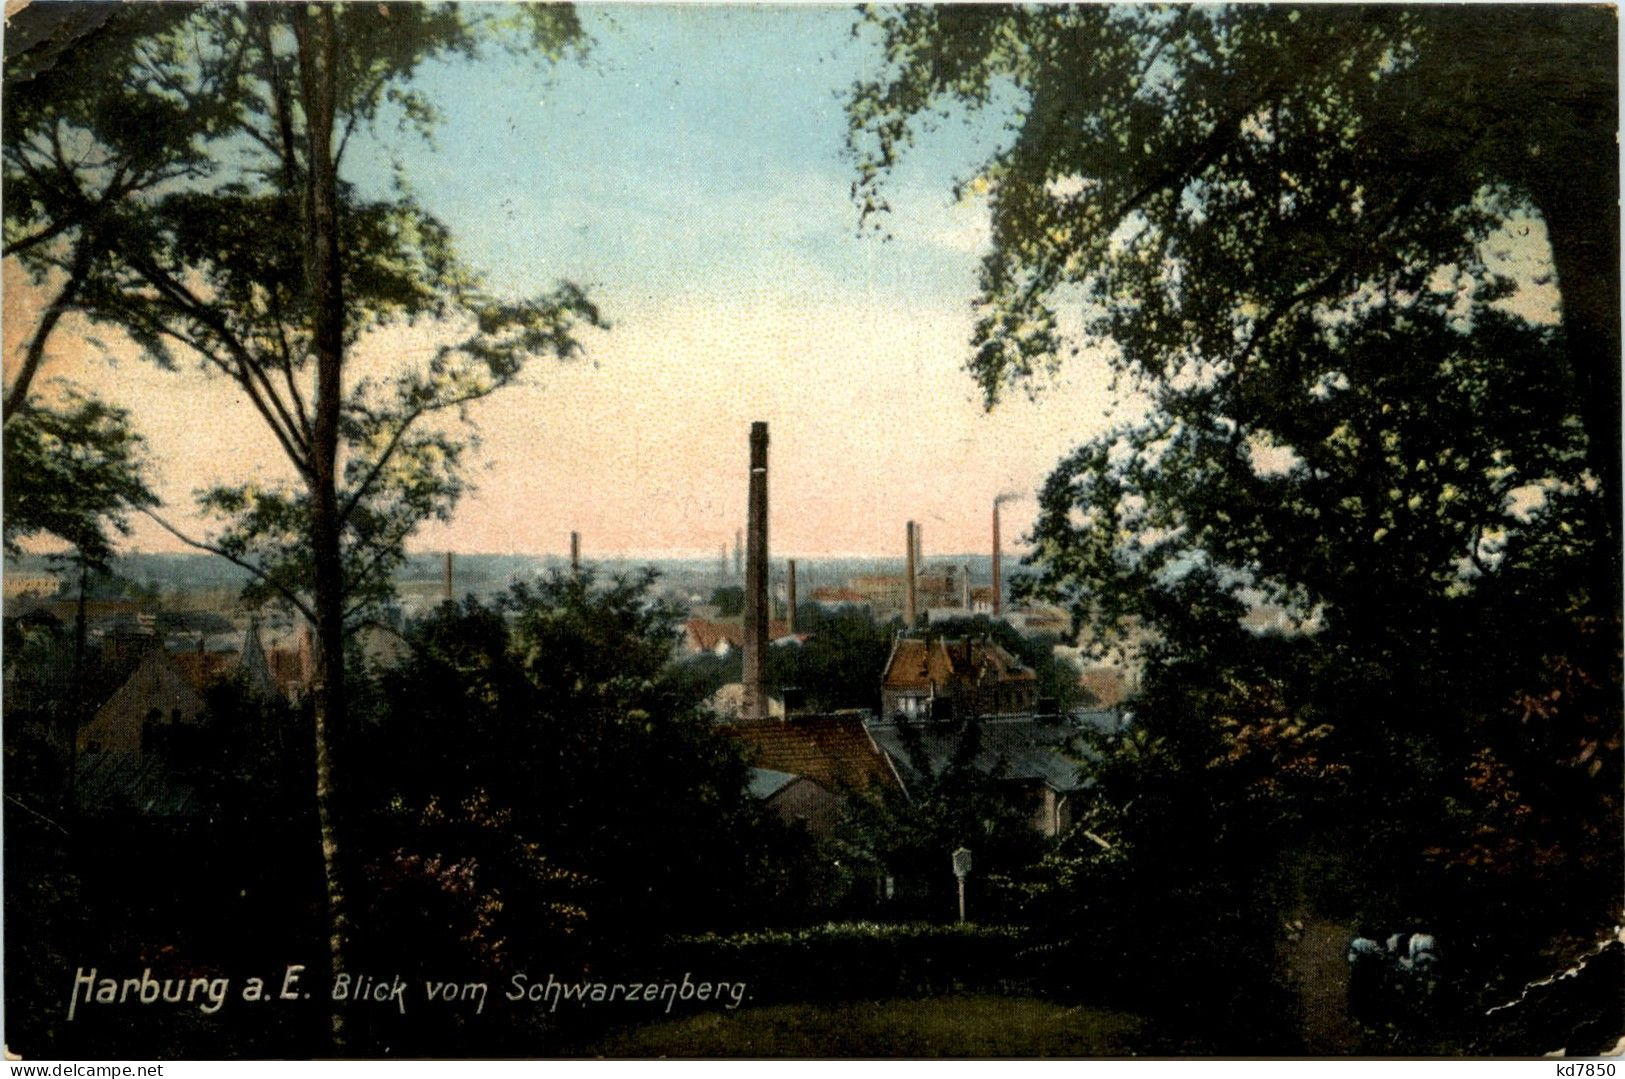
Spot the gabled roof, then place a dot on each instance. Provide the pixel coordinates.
(830, 594)
(255, 666)
(202, 668)
(765, 782)
(117, 780)
(1012, 747)
(922, 664)
(706, 634)
(917, 664)
(155, 685)
(833, 750)
(728, 702)
(290, 667)
(988, 658)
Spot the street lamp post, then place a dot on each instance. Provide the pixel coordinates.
(961, 871)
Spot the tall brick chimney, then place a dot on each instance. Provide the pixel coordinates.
(575, 552)
(910, 609)
(998, 576)
(790, 597)
(757, 611)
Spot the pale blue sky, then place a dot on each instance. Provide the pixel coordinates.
(695, 148)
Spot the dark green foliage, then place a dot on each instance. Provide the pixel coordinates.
(729, 600)
(841, 662)
(910, 837)
(1172, 890)
(241, 247)
(988, 1026)
(73, 472)
(542, 741)
(1213, 182)
(158, 175)
(1294, 233)
(838, 665)
(858, 960)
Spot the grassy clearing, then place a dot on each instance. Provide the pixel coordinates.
(959, 1026)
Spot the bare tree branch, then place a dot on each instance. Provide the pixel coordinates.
(292, 440)
(395, 441)
(283, 590)
(53, 314)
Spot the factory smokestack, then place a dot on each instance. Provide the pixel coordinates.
(919, 546)
(446, 584)
(575, 552)
(756, 608)
(998, 576)
(910, 611)
(790, 598)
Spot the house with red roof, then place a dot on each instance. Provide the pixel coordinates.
(973, 677)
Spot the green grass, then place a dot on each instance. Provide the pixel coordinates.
(959, 1026)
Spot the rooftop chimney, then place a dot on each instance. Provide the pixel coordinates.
(790, 598)
(998, 577)
(447, 583)
(756, 608)
(910, 612)
(575, 552)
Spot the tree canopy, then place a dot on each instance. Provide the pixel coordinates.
(1296, 234)
(558, 708)
(73, 471)
(1212, 194)
(198, 203)
(1356, 272)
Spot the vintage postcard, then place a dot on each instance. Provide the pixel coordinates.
(722, 530)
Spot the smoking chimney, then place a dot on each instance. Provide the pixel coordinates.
(998, 577)
(790, 598)
(447, 583)
(756, 608)
(910, 612)
(575, 552)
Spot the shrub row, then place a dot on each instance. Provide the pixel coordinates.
(858, 960)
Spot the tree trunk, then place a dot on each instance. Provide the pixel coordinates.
(314, 30)
(1579, 199)
(77, 706)
(47, 323)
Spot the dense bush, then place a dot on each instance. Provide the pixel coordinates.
(858, 960)
(537, 757)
